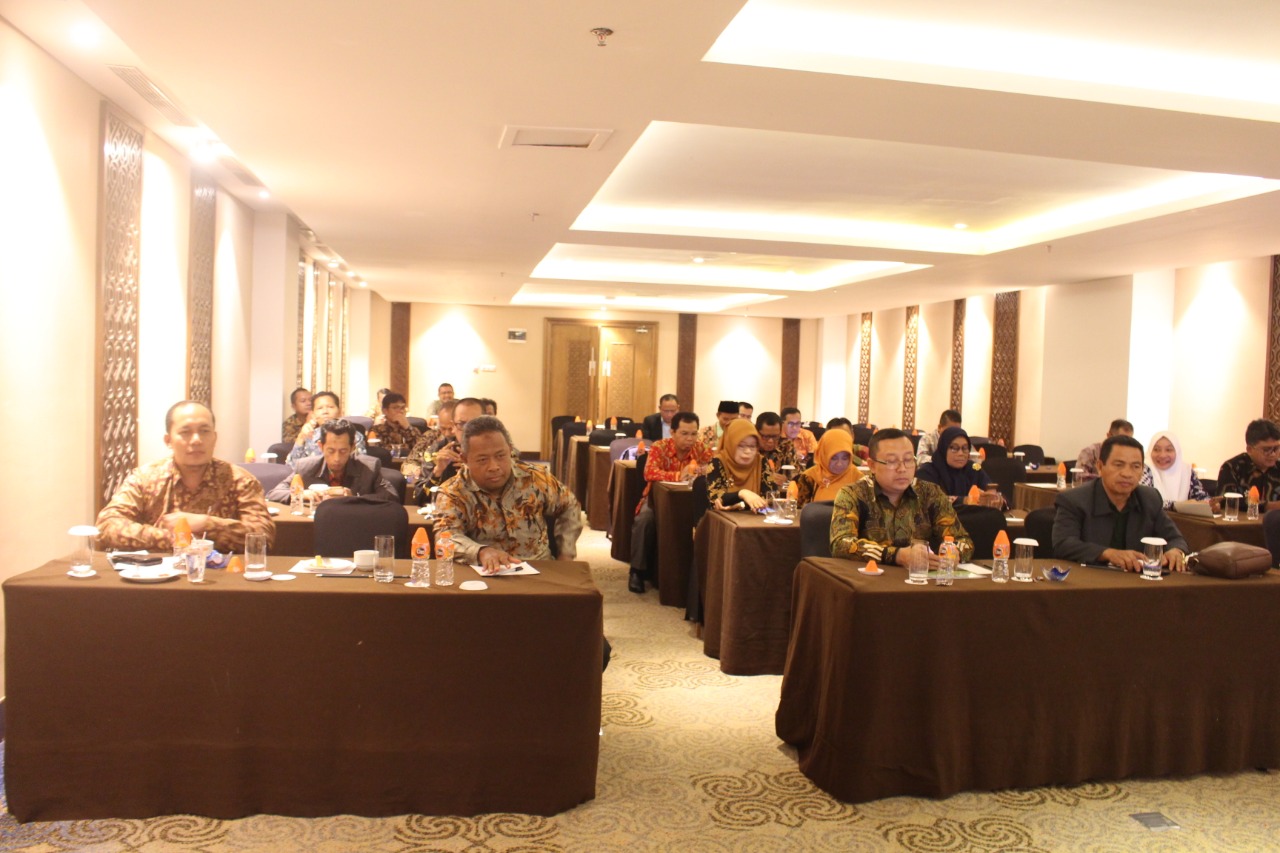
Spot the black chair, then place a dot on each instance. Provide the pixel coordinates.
(364, 423)
(281, 449)
(397, 481)
(604, 437)
(420, 424)
(1038, 525)
(993, 450)
(1271, 534)
(915, 442)
(346, 525)
(815, 529)
(862, 434)
(383, 455)
(1033, 454)
(1210, 486)
(1004, 472)
(560, 459)
(983, 523)
(817, 431)
(269, 474)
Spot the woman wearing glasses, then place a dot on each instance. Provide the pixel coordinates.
(951, 468)
(737, 478)
(833, 469)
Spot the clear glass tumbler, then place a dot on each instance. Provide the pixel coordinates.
(918, 563)
(1231, 506)
(1024, 558)
(384, 571)
(444, 572)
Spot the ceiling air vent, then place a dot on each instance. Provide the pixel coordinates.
(150, 92)
(582, 139)
(235, 167)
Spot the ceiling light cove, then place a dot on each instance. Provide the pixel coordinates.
(534, 295)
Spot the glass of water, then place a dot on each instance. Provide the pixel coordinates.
(444, 572)
(1152, 551)
(255, 552)
(197, 555)
(420, 574)
(384, 571)
(1231, 506)
(918, 563)
(1024, 559)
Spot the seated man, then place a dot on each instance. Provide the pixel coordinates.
(776, 451)
(489, 406)
(219, 501)
(929, 441)
(497, 507)
(1105, 521)
(336, 467)
(430, 441)
(1256, 466)
(300, 399)
(802, 440)
(658, 425)
(877, 517)
(681, 457)
(325, 406)
(444, 394)
(745, 410)
(447, 459)
(394, 429)
(726, 413)
(1087, 461)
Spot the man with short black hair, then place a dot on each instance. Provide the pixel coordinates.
(801, 439)
(658, 425)
(300, 399)
(325, 406)
(448, 458)
(776, 451)
(395, 429)
(929, 441)
(432, 440)
(218, 500)
(337, 468)
(1106, 520)
(1087, 461)
(443, 394)
(1256, 466)
(726, 413)
(877, 517)
(745, 410)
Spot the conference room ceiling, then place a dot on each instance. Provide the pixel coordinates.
(796, 158)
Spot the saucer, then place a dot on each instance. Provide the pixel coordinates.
(87, 573)
(257, 576)
(284, 577)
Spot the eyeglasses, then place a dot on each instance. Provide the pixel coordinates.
(959, 448)
(1268, 449)
(901, 464)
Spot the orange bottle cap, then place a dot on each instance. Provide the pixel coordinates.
(1002, 538)
(975, 494)
(1062, 469)
(1253, 494)
(235, 565)
(982, 454)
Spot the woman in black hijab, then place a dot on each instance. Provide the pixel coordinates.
(950, 467)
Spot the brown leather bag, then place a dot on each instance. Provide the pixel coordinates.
(1231, 560)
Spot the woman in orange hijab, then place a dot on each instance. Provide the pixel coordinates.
(737, 475)
(833, 469)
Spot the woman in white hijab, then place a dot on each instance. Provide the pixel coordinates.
(1169, 473)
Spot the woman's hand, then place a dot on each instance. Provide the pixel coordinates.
(751, 499)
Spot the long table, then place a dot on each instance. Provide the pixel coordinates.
(599, 469)
(747, 605)
(893, 689)
(1202, 531)
(295, 534)
(625, 486)
(317, 696)
(673, 514)
(1029, 496)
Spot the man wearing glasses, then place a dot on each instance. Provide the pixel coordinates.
(877, 517)
(1256, 466)
(776, 451)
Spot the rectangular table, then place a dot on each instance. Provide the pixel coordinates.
(1029, 496)
(576, 467)
(747, 605)
(317, 696)
(896, 690)
(673, 517)
(625, 486)
(599, 468)
(295, 534)
(1043, 475)
(1201, 532)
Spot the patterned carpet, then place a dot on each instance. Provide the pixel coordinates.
(689, 762)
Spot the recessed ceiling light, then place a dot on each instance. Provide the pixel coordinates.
(85, 34)
(263, 194)
(960, 226)
(699, 260)
(205, 152)
(333, 265)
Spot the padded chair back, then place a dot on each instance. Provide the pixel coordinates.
(364, 423)
(862, 434)
(604, 437)
(1004, 472)
(817, 430)
(815, 529)
(1034, 453)
(269, 474)
(559, 421)
(281, 449)
(381, 453)
(346, 525)
(1210, 486)
(396, 479)
(618, 445)
(420, 424)
(982, 524)
(915, 442)
(993, 450)
(1271, 534)
(1039, 526)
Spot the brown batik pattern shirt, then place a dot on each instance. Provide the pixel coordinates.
(864, 525)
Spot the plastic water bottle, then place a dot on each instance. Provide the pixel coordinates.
(949, 557)
(1000, 558)
(444, 558)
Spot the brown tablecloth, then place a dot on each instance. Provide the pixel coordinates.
(895, 690)
(625, 487)
(747, 598)
(599, 468)
(673, 514)
(317, 696)
(576, 467)
(1201, 532)
(1043, 475)
(1030, 496)
(295, 534)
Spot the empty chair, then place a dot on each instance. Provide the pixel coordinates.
(346, 525)
(604, 437)
(915, 442)
(982, 523)
(396, 479)
(560, 450)
(420, 424)
(815, 529)
(618, 445)
(1039, 526)
(1004, 472)
(1033, 454)
(381, 453)
(269, 474)
(364, 423)
(862, 434)
(993, 450)
(281, 449)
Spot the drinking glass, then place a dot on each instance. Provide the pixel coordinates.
(420, 574)
(1231, 506)
(918, 563)
(384, 571)
(1024, 558)
(444, 572)
(788, 509)
(1152, 551)
(82, 556)
(197, 556)
(1075, 477)
(255, 552)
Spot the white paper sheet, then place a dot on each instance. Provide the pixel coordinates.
(515, 569)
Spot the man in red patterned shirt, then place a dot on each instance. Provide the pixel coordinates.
(679, 458)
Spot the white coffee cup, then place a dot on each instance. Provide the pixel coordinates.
(365, 559)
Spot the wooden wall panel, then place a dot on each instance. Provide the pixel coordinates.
(1004, 369)
(686, 359)
(957, 355)
(909, 368)
(204, 214)
(790, 363)
(1271, 394)
(400, 312)
(864, 370)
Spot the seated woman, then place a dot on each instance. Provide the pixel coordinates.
(950, 467)
(325, 406)
(736, 479)
(833, 469)
(1173, 478)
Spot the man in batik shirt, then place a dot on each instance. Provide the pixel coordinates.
(497, 507)
(726, 413)
(395, 429)
(300, 399)
(802, 440)
(877, 517)
(430, 441)
(219, 501)
(776, 450)
(1257, 466)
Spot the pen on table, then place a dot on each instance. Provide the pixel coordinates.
(365, 577)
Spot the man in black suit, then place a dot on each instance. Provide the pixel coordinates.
(1104, 521)
(658, 425)
(336, 467)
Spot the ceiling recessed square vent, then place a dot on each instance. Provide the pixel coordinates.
(582, 139)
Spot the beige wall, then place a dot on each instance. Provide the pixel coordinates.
(738, 359)
(1027, 420)
(888, 354)
(979, 321)
(933, 364)
(232, 300)
(380, 346)
(447, 343)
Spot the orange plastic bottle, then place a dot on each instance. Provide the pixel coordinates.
(421, 545)
(181, 533)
